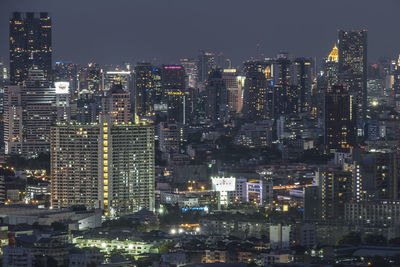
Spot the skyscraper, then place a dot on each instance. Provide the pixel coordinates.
(302, 80)
(217, 98)
(144, 89)
(340, 119)
(30, 44)
(353, 67)
(206, 63)
(174, 88)
(30, 110)
(255, 99)
(234, 85)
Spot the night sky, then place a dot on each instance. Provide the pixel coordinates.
(116, 31)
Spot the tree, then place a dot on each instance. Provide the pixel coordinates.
(375, 239)
(352, 238)
(59, 226)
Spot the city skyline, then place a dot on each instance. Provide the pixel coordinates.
(123, 37)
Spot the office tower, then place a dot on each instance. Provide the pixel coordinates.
(104, 165)
(117, 104)
(396, 86)
(30, 110)
(65, 71)
(234, 85)
(109, 78)
(353, 67)
(340, 119)
(217, 99)
(302, 80)
(206, 63)
(171, 137)
(386, 174)
(336, 190)
(30, 45)
(75, 165)
(144, 89)
(255, 97)
(192, 73)
(284, 95)
(174, 88)
(90, 78)
(158, 90)
(331, 67)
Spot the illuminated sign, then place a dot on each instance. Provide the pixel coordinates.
(172, 67)
(62, 87)
(222, 184)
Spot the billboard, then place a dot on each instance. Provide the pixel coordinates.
(62, 87)
(223, 184)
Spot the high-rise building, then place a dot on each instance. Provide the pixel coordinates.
(255, 97)
(285, 95)
(336, 190)
(331, 67)
(234, 85)
(353, 67)
(65, 71)
(174, 88)
(217, 99)
(30, 110)
(90, 78)
(144, 89)
(30, 45)
(117, 104)
(340, 119)
(75, 165)
(386, 175)
(106, 165)
(192, 73)
(302, 80)
(206, 63)
(396, 86)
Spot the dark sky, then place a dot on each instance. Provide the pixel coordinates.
(115, 31)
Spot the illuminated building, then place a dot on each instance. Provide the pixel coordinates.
(206, 63)
(106, 165)
(340, 119)
(386, 174)
(110, 78)
(74, 166)
(30, 44)
(302, 79)
(171, 137)
(217, 108)
(331, 66)
(255, 98)
(90, 78)
(190, 66)
(174, 88)
(234, 86)
(144, 89)
(336, 190)
(30, 110)
(396, 86)
(223, 185)
(284, 94)
(353, 67)
(65, 71)
(117, 104)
